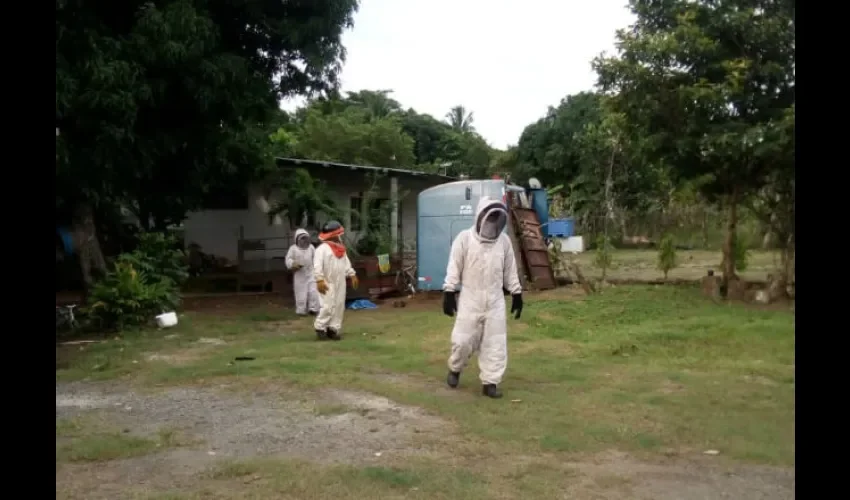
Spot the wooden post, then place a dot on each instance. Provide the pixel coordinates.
(239, 258)
(394, 214)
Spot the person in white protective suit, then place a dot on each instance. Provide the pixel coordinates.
(482, 262)
(299, 260)
(331, 267)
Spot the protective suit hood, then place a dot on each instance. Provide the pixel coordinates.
(491, 217)
(299, 233)
(299, 259)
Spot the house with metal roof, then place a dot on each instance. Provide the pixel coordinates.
(240, 231)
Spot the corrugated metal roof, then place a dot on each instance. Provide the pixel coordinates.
(386, 170)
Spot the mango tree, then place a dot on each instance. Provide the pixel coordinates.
(710, 84)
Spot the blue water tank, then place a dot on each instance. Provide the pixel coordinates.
(442, 212)
(540, 204)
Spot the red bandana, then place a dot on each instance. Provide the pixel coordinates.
(337, 248)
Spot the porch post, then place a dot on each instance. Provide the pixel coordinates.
(394, 213)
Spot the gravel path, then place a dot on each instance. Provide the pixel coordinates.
(260, 424)
(340, 427)
(358, 429)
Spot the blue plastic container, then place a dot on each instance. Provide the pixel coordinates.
(560, 228)
(540, 204)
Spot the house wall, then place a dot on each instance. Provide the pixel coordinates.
(217, 231)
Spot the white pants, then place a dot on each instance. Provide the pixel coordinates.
(306, 295)
(481, 330)
(332, 307)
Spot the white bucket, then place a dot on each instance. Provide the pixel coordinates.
(166, 320)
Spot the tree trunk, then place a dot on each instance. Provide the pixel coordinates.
(88, 246)
(729, 243)
(144, 217)
(609, 193)
(623, 229)
(789, 268)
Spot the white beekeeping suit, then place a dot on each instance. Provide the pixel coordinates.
(331, 266)
(482, 263)
(299, 260)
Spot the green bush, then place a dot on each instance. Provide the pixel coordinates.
(126, 297)
(603, 258)
(159, 256)
(740, 254)
(667, 254)
(141, 284)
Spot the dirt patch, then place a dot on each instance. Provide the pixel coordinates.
(227, 304)
(571, 292)
(669, 387)
(285, 328)
(258, 424)
(559, 346)
(181, 358)
(621, 476)
(758, 379)
(436, 386)
(227, 425)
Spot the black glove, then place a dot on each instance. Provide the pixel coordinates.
(449, 303)
(516, 305)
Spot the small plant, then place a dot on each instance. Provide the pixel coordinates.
(159, 256)
(667, 255)
(603, 258)
(126, 297)
(141, 284)
(740, 253)
(556, 259)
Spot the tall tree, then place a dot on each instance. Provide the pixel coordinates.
(160, 103)
(378, 102)
(711, 83)
(354, 136)
(548, 149)
(460, 120)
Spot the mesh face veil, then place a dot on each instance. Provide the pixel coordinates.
(303, 241)
(492, 223)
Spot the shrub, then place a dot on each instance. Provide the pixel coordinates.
(126, 297)
(603, 258)
(159, 256)
(141, 284)
(667, 255)
(740, 254)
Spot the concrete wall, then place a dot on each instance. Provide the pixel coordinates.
(217, 231)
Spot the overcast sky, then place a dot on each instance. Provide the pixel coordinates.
(505, 60)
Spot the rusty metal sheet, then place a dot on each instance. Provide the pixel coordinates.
(533, 247)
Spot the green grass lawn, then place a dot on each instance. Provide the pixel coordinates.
(642, 265)
(644, 370)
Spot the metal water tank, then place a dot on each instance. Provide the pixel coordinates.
(442, 212)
